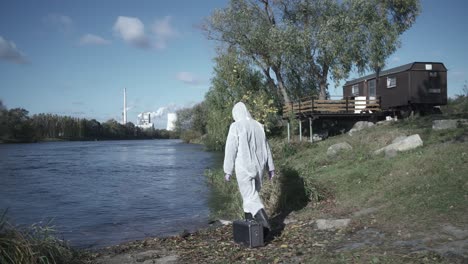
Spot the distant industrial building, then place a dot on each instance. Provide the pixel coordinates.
(171, 121)
(144, 121)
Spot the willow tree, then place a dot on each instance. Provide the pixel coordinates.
(309, 42)
(255, 30)
(377, 26)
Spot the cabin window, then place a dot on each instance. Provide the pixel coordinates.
(391, 82)
(355, 89)
(433, 74)
(371, 85)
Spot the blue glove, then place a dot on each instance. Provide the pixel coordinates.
(227, 177)
(271, 174)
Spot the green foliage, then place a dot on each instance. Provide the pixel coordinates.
(304, 42)
(236, 81)
(36, 244)
(191, 122)
(457, 106)
(17, 126)
(225, 200)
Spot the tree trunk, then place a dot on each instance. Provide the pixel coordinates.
(323, 83)
(323, 89)
(281, 86)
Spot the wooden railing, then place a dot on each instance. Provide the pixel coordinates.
(344, 106)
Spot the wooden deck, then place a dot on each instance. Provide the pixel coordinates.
(310, 107)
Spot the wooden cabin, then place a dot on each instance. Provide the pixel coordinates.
(417, 85)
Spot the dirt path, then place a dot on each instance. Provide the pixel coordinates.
(298, 242)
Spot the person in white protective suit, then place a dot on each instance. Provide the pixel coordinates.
(248, 153)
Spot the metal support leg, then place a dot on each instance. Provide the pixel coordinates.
(310, 129)
(300, 130)
(289, 133)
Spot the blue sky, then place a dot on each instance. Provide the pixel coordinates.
(75, 57)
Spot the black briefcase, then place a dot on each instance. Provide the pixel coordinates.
(248, 233)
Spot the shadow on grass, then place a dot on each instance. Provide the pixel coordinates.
(292, 197)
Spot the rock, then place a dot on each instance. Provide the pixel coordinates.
(319, 137)
(408, 143)
(398, 139)
(144, 257)
(448, 123)
(455, 232)
(331, 224)
(360, 125)
(225, 222)
(288, 221)
(444, 124)
(365, 211)
(335, 149)
(388, 120)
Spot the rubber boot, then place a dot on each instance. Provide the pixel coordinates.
(248, 216)
(262, 218)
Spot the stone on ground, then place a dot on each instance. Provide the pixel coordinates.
(448, 123)
(331, 224)
(360, 125)
(408, 143)
(333, 150)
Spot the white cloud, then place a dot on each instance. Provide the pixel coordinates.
(189, 78)
(90, 39)
(163, 32)
(132, 31)
(9, 52)
(60, 22)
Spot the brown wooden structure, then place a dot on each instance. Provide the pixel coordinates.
(348, 106)
(413, 86)
(417, 86)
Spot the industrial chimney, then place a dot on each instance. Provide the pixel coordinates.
(125, 107)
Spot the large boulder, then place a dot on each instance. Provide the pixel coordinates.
(333, 150)
(408, 143)
(360, 125)
(331, 224)
(448, 123)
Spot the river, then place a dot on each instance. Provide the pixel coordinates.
(106, 192)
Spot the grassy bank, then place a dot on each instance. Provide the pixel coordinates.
(34, 244)
(424, 184)
(410, 195)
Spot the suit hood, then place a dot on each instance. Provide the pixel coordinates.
(240, 112)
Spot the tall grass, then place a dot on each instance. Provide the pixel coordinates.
(35, 244)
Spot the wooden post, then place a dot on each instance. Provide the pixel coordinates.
(310, 129)
(347, 104)
(300, 130)
(289, 133)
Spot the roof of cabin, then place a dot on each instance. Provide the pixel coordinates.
(398, 69)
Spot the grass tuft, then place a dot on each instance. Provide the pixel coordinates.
(35, 244)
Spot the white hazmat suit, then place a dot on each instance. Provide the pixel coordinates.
(248, 153)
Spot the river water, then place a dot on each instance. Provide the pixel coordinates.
(106, 192)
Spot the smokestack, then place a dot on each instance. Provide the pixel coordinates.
(125, 107)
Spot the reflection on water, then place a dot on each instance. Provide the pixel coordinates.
(103, 193)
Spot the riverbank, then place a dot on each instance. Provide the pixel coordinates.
(398, 207)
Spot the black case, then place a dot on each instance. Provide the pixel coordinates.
(248, 233)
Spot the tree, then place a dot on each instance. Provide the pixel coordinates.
(304, 42)
(18, 126)
(378, 25)
(235, 80)
(252, 27)
(3, 120)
